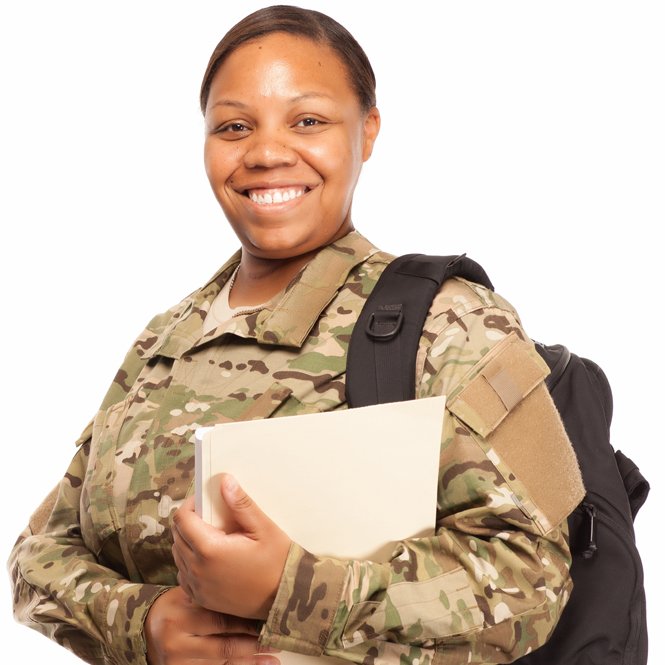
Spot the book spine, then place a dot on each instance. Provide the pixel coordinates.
(198, 476)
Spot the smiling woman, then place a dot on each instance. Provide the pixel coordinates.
(116, 566)
(286, 137)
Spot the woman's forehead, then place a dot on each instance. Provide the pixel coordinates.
(282, 65)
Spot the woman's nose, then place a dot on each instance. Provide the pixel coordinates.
(269, 150)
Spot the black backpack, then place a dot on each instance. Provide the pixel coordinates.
(604, 621)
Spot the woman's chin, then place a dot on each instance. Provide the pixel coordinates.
(290, 239)
(280, 246)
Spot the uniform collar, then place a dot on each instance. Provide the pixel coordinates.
(287, 319)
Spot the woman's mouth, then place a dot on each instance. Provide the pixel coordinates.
(275, 195)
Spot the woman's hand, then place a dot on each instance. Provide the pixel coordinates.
(178, 632)
(234, 573)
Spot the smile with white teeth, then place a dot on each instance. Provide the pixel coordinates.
(271, 196)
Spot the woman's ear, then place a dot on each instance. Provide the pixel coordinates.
(370, 131)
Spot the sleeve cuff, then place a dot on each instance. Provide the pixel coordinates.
(125, 615)
(307, 602)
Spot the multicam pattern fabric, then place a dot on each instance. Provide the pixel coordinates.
(486, 588)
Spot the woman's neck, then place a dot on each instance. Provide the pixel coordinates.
(259, 280)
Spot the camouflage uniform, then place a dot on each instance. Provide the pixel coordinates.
(486, 589)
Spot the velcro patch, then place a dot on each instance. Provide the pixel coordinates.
(508, 405)
(512, 370)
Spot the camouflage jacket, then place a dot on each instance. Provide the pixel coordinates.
(487, 588)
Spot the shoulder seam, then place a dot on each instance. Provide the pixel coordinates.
(477, 302)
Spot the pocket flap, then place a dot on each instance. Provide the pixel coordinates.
(265, 405)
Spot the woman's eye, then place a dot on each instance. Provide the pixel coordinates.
(309, 122)
(233, 128)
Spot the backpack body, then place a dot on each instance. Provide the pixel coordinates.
(604, 622)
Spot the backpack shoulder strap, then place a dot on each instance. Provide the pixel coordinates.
(381, 361)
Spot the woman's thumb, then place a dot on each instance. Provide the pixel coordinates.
(244, 511)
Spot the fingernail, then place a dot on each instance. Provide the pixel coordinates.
(230, 483)
(264, 659)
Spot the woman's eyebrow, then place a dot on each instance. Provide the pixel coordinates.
(293, 100)
(229, 102)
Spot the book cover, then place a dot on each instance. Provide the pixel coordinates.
(346, 483)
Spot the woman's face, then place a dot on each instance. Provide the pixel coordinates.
(285, 142)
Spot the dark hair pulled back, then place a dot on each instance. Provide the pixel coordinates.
(304, 23)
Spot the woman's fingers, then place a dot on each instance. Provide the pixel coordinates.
(197, 620)
(219, 648)
(258, 659)
(233, 573)
(183, 577)
(178, 631)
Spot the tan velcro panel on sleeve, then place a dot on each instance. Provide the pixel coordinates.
(509, 406)
(533, 444)
(511, 373)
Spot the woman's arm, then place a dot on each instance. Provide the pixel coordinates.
(487, 588)
(61, 590)
(491, 584)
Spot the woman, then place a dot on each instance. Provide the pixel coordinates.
(119, 569)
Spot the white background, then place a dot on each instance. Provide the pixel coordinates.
(528, 134)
